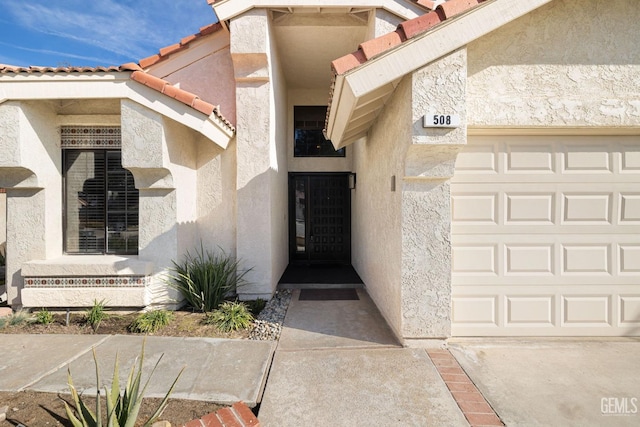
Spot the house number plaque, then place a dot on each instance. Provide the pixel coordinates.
(436, 120)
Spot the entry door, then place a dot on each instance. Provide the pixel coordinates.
(320, 218)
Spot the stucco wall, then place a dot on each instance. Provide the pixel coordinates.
(3, 222)
(216, 210)
(31, 175)
(569, 63)
(376, 210)
(211, 78)
(162, 157)
(279, 179)
(261, 153)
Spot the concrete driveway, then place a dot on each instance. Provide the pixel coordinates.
(556, 382)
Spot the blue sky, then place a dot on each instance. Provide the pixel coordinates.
(94, 32)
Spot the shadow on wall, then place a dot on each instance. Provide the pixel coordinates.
(262, 229)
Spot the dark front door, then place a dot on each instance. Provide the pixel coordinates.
(320, 218)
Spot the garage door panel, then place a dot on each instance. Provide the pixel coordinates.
(476, 310)
(546, 258)
(527, 158)
(546, 237)
(629, 208)
(630, 310)
(475, 208)
(546, 311)
(586, 310)
(592, 159)
(530, 311)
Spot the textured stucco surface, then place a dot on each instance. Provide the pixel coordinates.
(376, 210)
(261, 157)
(33, 232)
(401, 236)
(570, 63)
(3, 222)
(426, 203)
(211, 78)
(84, 297)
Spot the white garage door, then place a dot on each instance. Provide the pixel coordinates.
(546, 236)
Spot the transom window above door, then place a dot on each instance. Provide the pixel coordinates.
(309, 140)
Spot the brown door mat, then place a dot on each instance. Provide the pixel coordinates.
(328, 294)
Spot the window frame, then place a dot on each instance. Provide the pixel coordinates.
(313, 117)
(105, 211)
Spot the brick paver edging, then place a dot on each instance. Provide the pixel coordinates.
(471, 402)
(238, 415)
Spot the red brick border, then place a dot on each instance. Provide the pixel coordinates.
(471, 402)
(238, 415)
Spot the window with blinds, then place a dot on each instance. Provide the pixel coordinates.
(309, 140)
(100, 203)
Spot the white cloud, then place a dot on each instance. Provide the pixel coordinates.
(133, 29)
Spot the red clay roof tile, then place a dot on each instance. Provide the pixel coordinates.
(422, 23)
(373, 47)
(138, 75)
(405, 31)
(178, 94)
(167, 51)
(454, 7)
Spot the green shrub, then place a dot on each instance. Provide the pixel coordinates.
(256, 306)
(204, 279)
(151, 321)
(3, 259)
(15, 319)
(230, 316)
(122, 409)
(18, 318)
(44, 317)
(96, 314)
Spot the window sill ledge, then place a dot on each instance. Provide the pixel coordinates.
(88, 265)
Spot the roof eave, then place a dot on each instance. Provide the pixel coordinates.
(112, 85)
(378, 76)
(228, 9)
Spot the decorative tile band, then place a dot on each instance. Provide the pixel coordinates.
(90, 137)
(87, 282)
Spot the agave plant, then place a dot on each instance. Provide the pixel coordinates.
(122, 409)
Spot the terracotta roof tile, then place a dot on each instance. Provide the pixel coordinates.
(5, 69)
(138, 75)
(381, 44)
(188, 98)
(405, 31)
(165, 52)
(417, 25)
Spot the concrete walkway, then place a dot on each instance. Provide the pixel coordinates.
(219, 370)
(338, 364)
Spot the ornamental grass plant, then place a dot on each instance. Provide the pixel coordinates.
(151, 321)
(206, 278)
(230, 316)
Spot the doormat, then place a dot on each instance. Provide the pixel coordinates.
(348, 294)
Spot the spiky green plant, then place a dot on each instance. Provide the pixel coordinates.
(122, 408)
(96, 314)
(18, 318)
(205, 279)
(256, 306)
(230, 316)
(44, 317)
(151, 321)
